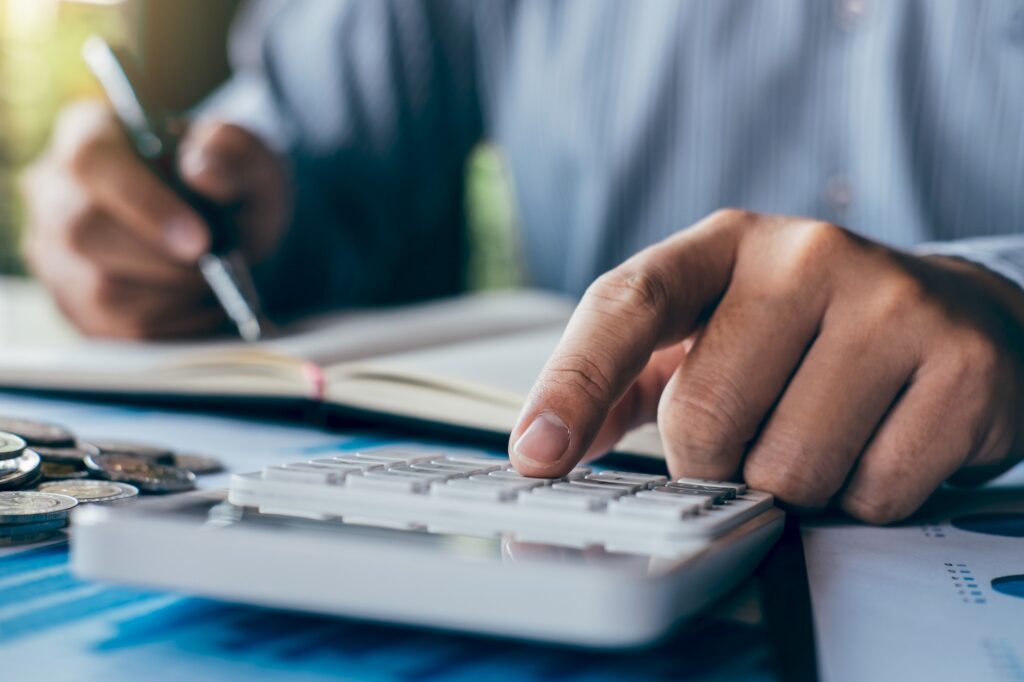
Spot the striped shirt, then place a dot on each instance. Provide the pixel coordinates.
(623, 121)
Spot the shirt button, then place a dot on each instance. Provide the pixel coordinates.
(838, 195)
(849, 13)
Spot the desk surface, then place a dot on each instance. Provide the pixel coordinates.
(53, 626)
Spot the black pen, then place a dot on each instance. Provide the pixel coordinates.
(146, 126)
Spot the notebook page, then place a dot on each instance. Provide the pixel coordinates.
(39, 349)
(501, 369)
(360, 334)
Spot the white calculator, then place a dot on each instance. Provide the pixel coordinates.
(446, 540)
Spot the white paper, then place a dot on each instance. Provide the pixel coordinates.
(915, 602)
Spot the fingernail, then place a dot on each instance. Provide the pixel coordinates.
(185, 237)
(544, 441)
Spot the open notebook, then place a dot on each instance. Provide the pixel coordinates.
(465, 362)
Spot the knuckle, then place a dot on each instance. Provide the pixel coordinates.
(78, 227)
(630, 291)
(898, 297)
(732, 216)
(811, 246)
(224, 151)
(702, 415)
(100, 290)
(580, 375)
(228, 139)
(83, 155)
(876, 509)
(976, 356)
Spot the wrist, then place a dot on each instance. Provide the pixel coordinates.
(1005, 293)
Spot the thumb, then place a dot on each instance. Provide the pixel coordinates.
(214, 160)
(233, 168)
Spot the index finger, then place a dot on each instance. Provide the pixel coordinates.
(654, 299)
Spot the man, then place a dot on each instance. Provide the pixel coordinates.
(817, 363)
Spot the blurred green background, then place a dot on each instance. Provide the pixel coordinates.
(40, 70)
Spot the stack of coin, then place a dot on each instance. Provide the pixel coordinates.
(32, 452)
(19, 467)
(27, 516)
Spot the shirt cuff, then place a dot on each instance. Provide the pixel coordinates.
(1001, 255)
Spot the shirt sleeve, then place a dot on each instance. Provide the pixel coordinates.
(1002, 255)
(373, 105)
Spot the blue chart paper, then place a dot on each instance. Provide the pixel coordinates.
(54, 626)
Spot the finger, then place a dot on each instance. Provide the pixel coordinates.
(118, 252)
(832, 405)
(714, 406)
(70, 222)
(234, 168)
(653, 300)
(103, 305)
(63, 217)
(106, 165)
(929, 433)
(220, 161)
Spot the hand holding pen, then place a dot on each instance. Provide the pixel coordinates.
(119, 245)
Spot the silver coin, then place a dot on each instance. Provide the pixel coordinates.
(74, 455)
(23, 529)
(145, 475)
(198, 464)
(38, 433)
(58, 471)
(11, 445)
(88, 492)
(153, 453)
(25, 506)
(21, 471)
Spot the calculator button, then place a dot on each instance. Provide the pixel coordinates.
(350, 461)
(737, 488)
(654, 508)
(610, 490)
(719, 495)
(663, 492)
(425, 471)
(578, 473)
(641, 480)
(308, 472)
(479, 489)
(623, 485)
(506, 472)
(456, 458)
(567, 498)
(522, 483)
(513, 475)
(474, 467)
(400, 457)
(390, 480)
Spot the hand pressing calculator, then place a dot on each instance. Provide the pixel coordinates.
(447, 540)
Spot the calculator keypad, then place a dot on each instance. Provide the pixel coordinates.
(432, 489)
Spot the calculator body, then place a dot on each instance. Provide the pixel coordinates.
(546, 588)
